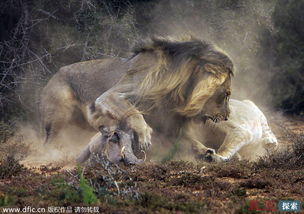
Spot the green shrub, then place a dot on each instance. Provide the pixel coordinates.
(87, 193)
(65, 192)
(6, 200)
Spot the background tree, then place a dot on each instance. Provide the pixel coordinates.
(288, 83)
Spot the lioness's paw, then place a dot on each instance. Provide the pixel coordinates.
(270, 143)
(144, 138)
(211, 156)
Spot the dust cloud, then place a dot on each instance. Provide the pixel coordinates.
(237, 31)
(61, 153)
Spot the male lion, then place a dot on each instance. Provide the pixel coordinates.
(170, 82)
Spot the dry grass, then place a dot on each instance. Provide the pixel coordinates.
(173, 187)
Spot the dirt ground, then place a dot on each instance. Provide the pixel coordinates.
(173, 187)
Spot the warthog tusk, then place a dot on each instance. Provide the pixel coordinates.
(122, 152)
(144, 154)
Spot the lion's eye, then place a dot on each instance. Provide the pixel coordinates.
(227, 95)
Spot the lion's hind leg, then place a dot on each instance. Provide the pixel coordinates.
(269, 140)
(234, 141)
(55, 125)
(58, 109)
(52, 130)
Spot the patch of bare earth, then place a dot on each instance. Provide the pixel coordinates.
(174, 187)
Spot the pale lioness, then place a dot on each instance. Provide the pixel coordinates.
(246, 134)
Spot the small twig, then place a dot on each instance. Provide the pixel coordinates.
(41, 62)
(48, 13)
(118, 191)
(84, 51)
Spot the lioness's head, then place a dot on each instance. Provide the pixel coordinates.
(190, 77)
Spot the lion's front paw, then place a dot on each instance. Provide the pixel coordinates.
(144, 138)
(211, 156)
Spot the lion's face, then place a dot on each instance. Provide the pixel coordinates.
(217, 106)
(209, 97)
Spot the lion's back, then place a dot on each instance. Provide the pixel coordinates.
(79, 84)
(90, 79)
